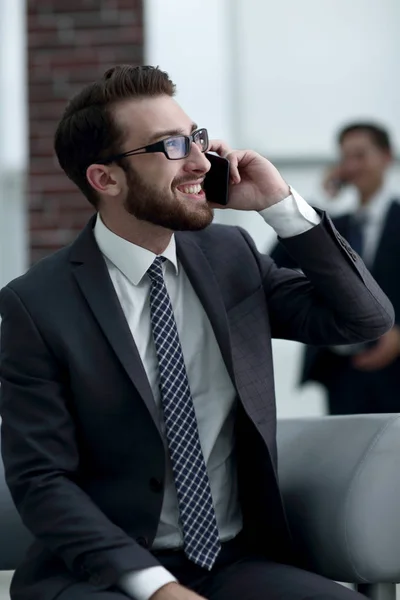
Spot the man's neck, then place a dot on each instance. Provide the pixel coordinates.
(141, 233)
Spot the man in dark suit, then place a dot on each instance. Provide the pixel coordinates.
(363, 378)
(137, 392)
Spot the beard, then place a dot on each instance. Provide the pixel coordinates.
(163, 206)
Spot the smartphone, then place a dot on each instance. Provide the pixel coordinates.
(335, 181)
(216, 182)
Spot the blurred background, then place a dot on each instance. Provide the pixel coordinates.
(278, 77)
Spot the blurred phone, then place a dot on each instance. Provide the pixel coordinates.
(337, 185)
(216, 182)
(334, 181)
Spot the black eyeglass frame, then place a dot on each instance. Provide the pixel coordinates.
(160, 147)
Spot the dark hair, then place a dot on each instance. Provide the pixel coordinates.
(88, 132)
(379, 136)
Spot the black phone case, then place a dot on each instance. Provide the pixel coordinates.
(216, 182)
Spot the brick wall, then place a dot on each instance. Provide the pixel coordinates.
(71, 42)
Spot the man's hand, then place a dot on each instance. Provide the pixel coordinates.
(333, 181)
(382, 355)
(175, 591)
(255, 182)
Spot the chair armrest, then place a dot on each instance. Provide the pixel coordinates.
(340, 481)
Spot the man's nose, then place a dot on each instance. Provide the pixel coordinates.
(197, 160)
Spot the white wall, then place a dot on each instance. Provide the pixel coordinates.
(280, 77)
(191, 40)
(305, 67)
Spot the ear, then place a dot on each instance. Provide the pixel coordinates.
(105, 179)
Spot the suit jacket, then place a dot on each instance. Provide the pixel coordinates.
(322, 365)
(83, 455)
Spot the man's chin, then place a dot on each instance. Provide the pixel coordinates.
(175, 214)
(184, 222)
(193, 224)
(196, 220)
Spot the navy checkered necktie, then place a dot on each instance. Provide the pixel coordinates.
(199, 524)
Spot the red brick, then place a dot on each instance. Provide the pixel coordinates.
(42, 39)
(54, 183)
(110, 36)
(40, 147)
(61, 56)
(52, 238)
(40, 92)
(41, 110)
(70, 42)
(43, 166)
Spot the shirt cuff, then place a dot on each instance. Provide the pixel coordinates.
(142, 584)
(292, 216)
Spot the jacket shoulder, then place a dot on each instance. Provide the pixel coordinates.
(216, 234)
(42, 274)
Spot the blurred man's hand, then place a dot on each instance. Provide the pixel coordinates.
(333, 181)
(382, 355)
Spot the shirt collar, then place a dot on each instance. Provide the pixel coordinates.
(377, 207)
(132, 260)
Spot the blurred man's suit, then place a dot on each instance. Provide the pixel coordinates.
(81, 435)
(350, 390)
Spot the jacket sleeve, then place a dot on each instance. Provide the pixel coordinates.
(281, 256)
(41, 457)
(334, 300)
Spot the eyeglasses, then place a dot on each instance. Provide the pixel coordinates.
(175, 147)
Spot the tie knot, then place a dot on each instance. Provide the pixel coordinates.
(155, 271)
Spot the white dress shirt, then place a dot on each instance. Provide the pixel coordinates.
(213, 396)
(374, 214)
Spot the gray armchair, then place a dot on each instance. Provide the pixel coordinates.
(340, 479)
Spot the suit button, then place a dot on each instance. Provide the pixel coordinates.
(156, 485)
(142, 541)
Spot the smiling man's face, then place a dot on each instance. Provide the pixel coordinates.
(161, 191)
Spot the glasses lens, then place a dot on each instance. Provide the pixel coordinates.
(200, 138)
(176, 147)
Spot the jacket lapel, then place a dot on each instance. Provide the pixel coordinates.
(206, 287)
(389, 233)
(91, 273)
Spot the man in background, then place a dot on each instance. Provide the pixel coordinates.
(363, 378)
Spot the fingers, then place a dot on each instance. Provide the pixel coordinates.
(370, 360)
(234, 158)
(365, 363)
(224, 150)
(220, 147)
